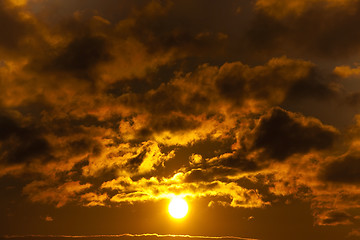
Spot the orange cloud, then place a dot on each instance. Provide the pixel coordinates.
(346, 71)
(42, 191)
(94, 199)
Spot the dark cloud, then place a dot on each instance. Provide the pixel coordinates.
(236, 160)
(281, 134)
(134, 163)
(313, 86)
(201, 91)
(84, 145)
(336, 218)
(220, 167)
(197, 175)
(277, 28)
(81, 54)
(240, 83)
(52, 192)
(239, 162)
(232, 84)
(353, 99)
(173, 123)
(265, 33)
(173, 98)
(179, 34)
(79, 57)
(9, 126)
(343, 170)
(14, 25)
(20, 144)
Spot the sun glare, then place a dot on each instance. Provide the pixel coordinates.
(178, 207)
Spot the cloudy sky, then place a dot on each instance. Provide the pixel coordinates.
(247, 109)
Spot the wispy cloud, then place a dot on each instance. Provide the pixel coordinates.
(124, 235)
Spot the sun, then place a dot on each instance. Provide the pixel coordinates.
(178, 207)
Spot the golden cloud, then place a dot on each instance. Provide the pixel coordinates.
(165, 188)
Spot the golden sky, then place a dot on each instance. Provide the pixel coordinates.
(248, 110)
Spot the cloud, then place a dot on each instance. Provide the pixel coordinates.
(128, 159)
(94, 199)
(17, 25)
(297, 26)
(354, 233)
(128, 235)
(80, 56)
(49, 219)
(346, 71)
(281, 134)
(212, 98)
(21, 144)
(156, 189)
(335, 218)
(262, 84)
(235, 160)
(353, 99)
(316, 86)
(42, 191)
(105, 106)
(285, 8)
(345, 169)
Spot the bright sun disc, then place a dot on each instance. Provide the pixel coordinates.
(178, 207)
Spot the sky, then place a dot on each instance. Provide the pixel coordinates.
(247, 109)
